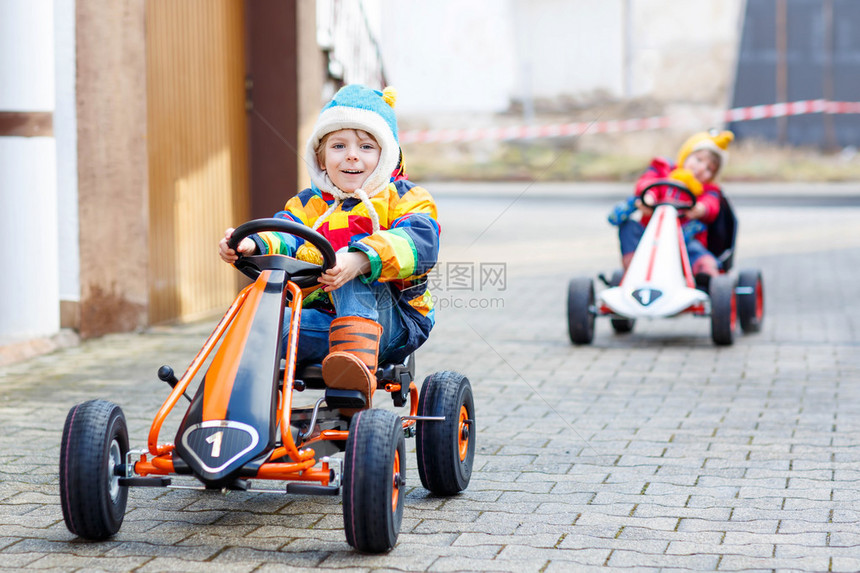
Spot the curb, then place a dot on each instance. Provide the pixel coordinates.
(20, 351)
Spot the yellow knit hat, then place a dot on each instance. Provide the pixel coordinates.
(713, 140)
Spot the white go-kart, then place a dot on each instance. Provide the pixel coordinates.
(659, 282)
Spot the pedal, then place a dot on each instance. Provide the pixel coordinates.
(336, 398)
(144, 481)
(312, 489)
(401, 374)
(401, 396)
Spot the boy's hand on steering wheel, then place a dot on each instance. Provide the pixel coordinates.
(348, 265)
(645, 210)
(246, 247)
(697, 211)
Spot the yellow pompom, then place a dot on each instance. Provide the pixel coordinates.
(686, 177)
(309, 254)
(389, 94)
(723, 139)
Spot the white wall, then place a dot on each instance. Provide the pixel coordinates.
(449, 55)
(686, 51)
(477, 56)
(26, 55)
(66, 136)
(29, 295)
(568, 48)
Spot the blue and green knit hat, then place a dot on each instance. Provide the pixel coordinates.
(358, 107)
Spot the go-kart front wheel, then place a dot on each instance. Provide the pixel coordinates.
(446, 450)
(95, 442)
(580, 310)
(750, 295)
(723, 309)
(374, 472)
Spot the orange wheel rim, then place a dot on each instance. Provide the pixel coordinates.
(733, 314)
(395, 482)
(759, 300)
(463, 440)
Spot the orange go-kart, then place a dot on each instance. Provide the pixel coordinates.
(243, 424)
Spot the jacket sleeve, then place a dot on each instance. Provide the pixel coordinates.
(297, 210)
(711, 200)
(409, 248)
(659, 169)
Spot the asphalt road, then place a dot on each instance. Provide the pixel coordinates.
(649, 451)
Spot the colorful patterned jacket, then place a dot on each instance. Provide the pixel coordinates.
(660, 168)
(401, 253)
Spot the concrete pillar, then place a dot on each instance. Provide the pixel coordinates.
(112, 165)
(29, 295)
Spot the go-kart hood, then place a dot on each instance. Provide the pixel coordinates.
(650, 300)
(655, 285)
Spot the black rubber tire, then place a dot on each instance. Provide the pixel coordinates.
(95, 441)
(620, 325)
(723, 310)
(580, 310)
(750, 300)
(446, 450)
(371, 513)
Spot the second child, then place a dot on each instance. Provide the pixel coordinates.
(699, 161)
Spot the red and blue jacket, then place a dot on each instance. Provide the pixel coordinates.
(660, 168)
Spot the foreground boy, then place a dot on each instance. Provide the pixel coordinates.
(373, 304)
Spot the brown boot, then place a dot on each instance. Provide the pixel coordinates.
(353, 353)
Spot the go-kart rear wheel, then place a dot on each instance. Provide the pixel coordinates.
(750, 295)
(95, 442)
(723, 309)
(580, 310)
(620, 325)
(446, 450)
(374, 472)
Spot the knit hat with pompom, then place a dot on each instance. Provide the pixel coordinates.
(713, 140)
(357, 107)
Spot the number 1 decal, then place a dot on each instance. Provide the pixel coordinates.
(215, 440)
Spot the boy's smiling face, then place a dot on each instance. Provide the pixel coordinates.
(704, 164)
(349, 156)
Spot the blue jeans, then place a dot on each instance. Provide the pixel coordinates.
(356, 298)
(630, 233)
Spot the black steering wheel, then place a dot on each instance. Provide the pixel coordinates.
(646, 197)
(303, 273)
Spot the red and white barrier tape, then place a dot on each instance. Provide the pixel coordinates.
(621, 126)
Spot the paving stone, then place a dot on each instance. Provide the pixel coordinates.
(650, 451)
(626, 558)
(173, 564)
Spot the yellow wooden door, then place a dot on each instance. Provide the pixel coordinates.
(197, 146)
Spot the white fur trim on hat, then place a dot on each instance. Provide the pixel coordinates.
(711, 146)
(343, 117)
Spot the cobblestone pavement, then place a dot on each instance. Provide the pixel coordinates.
(650, 451)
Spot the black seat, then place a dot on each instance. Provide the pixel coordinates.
(309, 373)
(722, 234)
(401, 373)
